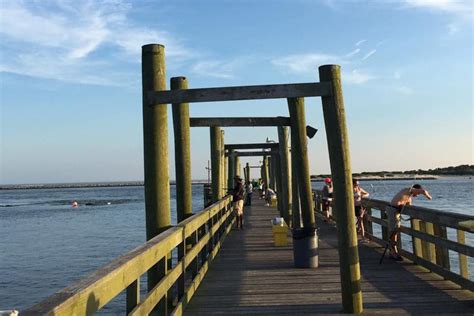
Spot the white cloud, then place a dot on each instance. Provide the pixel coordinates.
(301, 63)
(75, 40)
(461, 8)
(361, 42)
(354, 52)
(369, 54)
(356, 76)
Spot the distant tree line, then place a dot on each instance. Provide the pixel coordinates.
(461, 170)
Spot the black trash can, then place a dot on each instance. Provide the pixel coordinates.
(305, 247)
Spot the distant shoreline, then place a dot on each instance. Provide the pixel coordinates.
(390, 178)
(83, 185)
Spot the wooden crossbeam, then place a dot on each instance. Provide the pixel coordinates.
(252, 153)
(238, 121)
(251, 146)
(276, 91)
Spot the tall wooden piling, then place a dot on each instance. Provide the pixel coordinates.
(285, 188)
(338, 144)
(182, 153)
(230, 168)
(216, 138)
(295, 203)
(237, 166)
(222, 170)
(266, 175)
(156, 165)
(247, 173)
(299, 141)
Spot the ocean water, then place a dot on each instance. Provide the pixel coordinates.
(45, 244)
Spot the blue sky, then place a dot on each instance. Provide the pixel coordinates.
(71, 79)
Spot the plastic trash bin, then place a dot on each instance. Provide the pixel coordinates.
(305, 247)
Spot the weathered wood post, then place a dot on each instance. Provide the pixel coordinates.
(230, 172)
(299, 141)
(266, 175)
(442, 253)
(247, 173)
(182, 154)
(271, 174)
(226, 174)
(222, 158)
(463, 266)
(156, 165)
(295, 204)
(338, 145)
(237, 166)
(216, 138)
(285, 187)
(278, 183)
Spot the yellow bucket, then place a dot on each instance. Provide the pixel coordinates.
(280, 235)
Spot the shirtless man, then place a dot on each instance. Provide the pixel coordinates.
(402, 198)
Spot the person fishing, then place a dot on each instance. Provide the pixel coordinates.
(359, 193)
(394, 210)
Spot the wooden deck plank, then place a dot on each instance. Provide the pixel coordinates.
(251, 276)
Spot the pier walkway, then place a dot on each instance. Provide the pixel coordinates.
(252, 276)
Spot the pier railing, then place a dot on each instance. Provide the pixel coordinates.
(427, 229)
(196, 240)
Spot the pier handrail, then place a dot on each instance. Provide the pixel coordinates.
(428, 232)
(204, 231)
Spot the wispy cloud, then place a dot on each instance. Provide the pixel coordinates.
(74, 40)
(301, 63)
(361, 42)
(462, 8)
(369, 54)
(357, 76)
(354, 52)
(404, 90)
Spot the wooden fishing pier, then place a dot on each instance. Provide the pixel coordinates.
(202, 266)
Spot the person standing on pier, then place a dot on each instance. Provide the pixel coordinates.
(238, 200)
(399, 201)
(327, 197)
(249, 191)
(359, 193)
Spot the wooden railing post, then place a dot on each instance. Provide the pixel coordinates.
(298, 134)
(463, 267)
(271, 174)
(278, 184)
(428, 248)
(155, 144)
(416, 242)
(133, 295)
(285, 187)
(442, 253)
(217, 185)
(367, 223)
(338, 143)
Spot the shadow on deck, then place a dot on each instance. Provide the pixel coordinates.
(251, 276)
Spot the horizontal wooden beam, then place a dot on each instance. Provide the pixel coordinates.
(253, 153)
(276, 91)
(238, 121)
(251, 146)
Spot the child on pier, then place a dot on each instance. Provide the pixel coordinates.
(359, 193)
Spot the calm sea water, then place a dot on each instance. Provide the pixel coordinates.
(46, 245)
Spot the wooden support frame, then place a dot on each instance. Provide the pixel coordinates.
(252, 146)
(239, 121)
(251, 153)
(276, 91)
